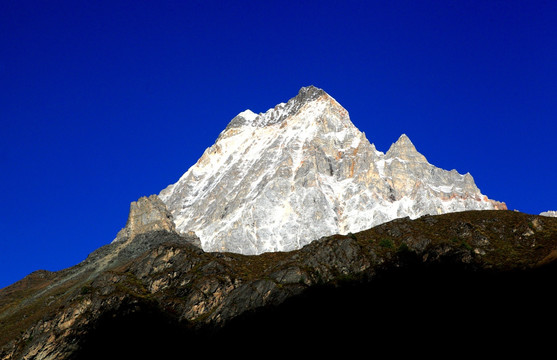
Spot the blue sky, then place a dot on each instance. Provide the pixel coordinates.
(102, 102)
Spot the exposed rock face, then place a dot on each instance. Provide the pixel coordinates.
(150, 214)
(146, 214)
(180, 295)
(278, 180)
(549, 213)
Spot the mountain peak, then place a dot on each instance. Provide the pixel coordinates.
(280, 112)
(300, 171)
(248, 115)
(404, 149)
(404, 139)
(309, 93)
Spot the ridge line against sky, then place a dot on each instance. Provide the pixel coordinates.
(104, 102)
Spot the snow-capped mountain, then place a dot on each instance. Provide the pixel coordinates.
(278, 180)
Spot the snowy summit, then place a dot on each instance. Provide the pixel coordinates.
(278, 180)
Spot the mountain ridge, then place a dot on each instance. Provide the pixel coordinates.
(270, 177)
(280, 112)
(483, 266)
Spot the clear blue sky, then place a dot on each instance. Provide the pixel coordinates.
(102, 102)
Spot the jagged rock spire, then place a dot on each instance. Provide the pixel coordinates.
(404, 149)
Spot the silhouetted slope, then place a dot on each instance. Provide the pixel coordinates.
(462, 281)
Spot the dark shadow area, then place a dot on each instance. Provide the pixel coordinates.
(138, 331)
(413, 310)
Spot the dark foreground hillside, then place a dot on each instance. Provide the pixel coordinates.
(414, 310)
(475, 283)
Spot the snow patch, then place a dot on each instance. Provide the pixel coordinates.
(248, 115)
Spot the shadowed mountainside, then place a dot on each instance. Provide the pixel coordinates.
(456, 280)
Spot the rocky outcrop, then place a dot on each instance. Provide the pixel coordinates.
(146, 214)
(175, 297)
(278, 180)
(149, 214)
(149, 225)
